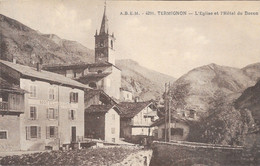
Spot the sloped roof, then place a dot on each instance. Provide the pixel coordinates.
(101, 108)
(130, 109)
(93, 77)
(30, 72)
(93, 92)
(53, 67)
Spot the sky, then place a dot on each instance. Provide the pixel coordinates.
(170, 44)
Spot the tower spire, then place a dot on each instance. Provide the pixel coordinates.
(104, 23)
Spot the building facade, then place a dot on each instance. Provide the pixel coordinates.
(136, 118)
(102, 122)
(11, 108)
(53, 108)
(179, 129)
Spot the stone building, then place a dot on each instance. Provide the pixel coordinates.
(179, 129)
(11, 107)
(53, 108)
(102, 122)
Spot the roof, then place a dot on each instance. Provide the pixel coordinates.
(93, 92)
(162, 121)
(101, 108)
(130, 109)
(53, 67)
(104, 23)
(93, 77)
(5, 86)
(43, 75)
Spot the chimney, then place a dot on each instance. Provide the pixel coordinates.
(14, 61)
(39, 65)
(136, 99)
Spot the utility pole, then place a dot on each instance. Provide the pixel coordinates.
(165, 113)
(169, 109)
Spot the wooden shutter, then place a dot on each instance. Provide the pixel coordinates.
(69, 114)
(56, 132)
(28, 133)
(75, 114)
(39, 132)
(56, 113)
(47, 132)
(71, 96)
(76, 96)
(47, 113)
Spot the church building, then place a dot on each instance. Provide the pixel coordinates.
(102, 74)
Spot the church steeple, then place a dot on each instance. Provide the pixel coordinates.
(104, 43)
(104, 23)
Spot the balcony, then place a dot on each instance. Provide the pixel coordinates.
(6, 108)
(3, 106)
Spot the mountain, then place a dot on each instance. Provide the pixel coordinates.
(212, 90)
(206, 86)
(27, 45)
(250, 100)
(143, 82)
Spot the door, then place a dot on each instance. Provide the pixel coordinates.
(73, 134)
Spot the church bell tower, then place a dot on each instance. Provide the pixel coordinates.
(104, 43)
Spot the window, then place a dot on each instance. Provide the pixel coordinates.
(72, 114)
(112, 130)
(73, 97)
(74, 74)
(113, 140)
(111, 42)
(33, 132)
(52, 113)
(3, 134)
(192, 114)
(51, 94)
(33, 113)
(99, 71)
(32, 91)
(177, 131)
(113, 116)
(51, 132)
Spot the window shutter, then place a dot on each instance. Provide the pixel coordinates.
(71, 96)
(56, 113)
(75, 115)
(47, 132)
(35, 115)
(47, 113)
(27, 129)
(69, 114)
(39, 132)
(76, 97)
(56, 132)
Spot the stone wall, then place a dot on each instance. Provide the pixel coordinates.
(183, 154)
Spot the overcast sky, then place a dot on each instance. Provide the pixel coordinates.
(169, 44)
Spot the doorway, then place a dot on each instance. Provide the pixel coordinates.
(73, 134)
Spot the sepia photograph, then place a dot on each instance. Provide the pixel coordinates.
(129, 83)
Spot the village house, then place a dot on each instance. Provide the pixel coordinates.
(179, 129)
(53, 108)
(136, 118)
(11, 107)
(126, 95)
(102, 122)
